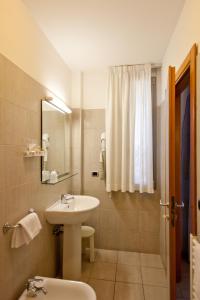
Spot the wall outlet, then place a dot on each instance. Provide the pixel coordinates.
(95, 174)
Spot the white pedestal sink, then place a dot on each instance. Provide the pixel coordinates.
(71, 216)
(58, 289)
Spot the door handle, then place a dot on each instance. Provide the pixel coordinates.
(164, 204)
(166, 217)
(180, 205)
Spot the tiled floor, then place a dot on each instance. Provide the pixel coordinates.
(117, 275)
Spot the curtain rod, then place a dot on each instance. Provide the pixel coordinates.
(153, 66)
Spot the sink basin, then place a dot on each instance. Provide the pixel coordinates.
(58, 289)
(71, 215)
(77, 211)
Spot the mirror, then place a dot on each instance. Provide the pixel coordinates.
(55, 136)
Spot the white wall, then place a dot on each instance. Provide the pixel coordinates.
(186, 33)
(77, 89)
(94, 88)
(89, 89)
(22, 42)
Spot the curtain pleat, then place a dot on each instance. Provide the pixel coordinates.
(129, 164)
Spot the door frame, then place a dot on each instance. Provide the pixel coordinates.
(188, 65)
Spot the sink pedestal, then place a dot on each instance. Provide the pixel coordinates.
(72, 215)
(72, 252)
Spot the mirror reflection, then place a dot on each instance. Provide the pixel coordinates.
(55, 143)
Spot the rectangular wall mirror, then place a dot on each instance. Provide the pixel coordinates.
(56, 143)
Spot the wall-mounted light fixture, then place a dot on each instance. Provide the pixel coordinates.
(58, 104)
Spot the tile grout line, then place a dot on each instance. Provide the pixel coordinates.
(142, 277)
(125, 282)
(115, 276)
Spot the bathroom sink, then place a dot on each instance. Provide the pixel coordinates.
(71, 215)
(75, 212)
(58, 289)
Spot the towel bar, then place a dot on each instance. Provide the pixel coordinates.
(6, 227)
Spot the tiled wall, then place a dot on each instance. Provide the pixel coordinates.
(123, 221)
(20, 186)
(77, 155)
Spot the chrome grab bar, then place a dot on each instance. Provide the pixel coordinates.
(164, 204)
(6, 227)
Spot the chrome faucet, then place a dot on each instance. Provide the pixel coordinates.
(33, 289)
(65, 198)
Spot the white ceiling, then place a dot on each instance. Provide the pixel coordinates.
(98, 33)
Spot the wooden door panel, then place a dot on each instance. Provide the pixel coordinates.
(172, 190)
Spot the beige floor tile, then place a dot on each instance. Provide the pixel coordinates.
(109, 256)
(155, 293)
(151, 260)
(101, 270)
(127, 273)
(129, 258)
(104, 289)
(125, 291)
(154, 276)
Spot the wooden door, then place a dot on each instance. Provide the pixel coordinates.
(172, 185)
(189, 65)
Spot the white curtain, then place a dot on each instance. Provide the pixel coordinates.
(129, 164)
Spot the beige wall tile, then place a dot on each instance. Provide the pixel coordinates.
(107, 239)
(20, 185)
(108, 219)
(127, 240)
(103, 255)
(149, 221)
(3, 167)
(94, 119)
(127, 221)
(126, 201)
(149, 242)
(2, 76)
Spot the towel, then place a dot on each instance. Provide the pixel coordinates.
(102, 159)
(103, 141)
(29, 227)
(197, 271)
(102, 165)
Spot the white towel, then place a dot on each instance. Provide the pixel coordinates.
(197, 270)
(102, 165)
(102, 159)
(103, 141)
(29, 227)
